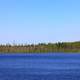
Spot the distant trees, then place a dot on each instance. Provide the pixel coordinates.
(41, 47)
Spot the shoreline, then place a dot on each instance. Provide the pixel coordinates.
(60, 47)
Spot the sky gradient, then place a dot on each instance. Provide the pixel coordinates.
(36, 21)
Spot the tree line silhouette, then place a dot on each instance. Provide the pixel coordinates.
(41, 47)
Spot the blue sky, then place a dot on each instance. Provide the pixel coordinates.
(34, 21)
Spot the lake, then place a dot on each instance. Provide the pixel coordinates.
(49, 66)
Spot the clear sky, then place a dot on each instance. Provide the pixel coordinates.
(35, 21)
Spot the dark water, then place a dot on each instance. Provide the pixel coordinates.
(51, 66)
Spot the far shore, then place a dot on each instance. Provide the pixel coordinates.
(67, 47)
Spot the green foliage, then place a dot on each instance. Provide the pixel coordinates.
(41, 47)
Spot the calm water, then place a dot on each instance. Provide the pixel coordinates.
(55, 66)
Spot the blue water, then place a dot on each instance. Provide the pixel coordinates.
(51, 66)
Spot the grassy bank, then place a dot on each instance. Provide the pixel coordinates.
(41, 47)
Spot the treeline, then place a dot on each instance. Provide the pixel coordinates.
(41, 47)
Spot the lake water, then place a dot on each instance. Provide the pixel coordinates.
(50, 66)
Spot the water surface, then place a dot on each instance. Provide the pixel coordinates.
(50, 66)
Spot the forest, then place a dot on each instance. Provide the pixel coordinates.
(41, 47)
